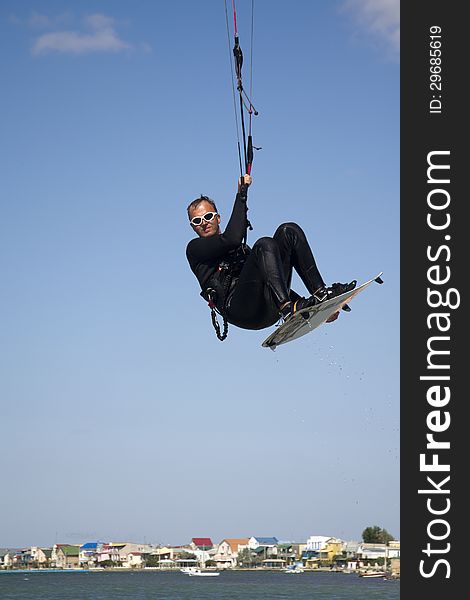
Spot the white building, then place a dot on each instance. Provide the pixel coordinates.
(266, 542)
(6, 560)
(372, 551)
(317, 543)
(393, 549)
(134, 560)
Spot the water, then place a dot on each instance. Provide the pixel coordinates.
(230, 585)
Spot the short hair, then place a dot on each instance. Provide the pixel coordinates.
(197, 202)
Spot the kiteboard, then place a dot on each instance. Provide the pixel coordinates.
(308, 319)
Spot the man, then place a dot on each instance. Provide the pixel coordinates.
(251, 287)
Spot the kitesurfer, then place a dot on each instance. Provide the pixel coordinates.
(250, 287)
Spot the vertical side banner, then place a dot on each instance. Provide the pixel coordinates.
(434, 348)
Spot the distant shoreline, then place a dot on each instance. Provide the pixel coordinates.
(177, 570)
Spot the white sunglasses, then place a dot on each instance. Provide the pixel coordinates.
(207, 217)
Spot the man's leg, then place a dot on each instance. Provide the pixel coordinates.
(261, 289)
(296, 253)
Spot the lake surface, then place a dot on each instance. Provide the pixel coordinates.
(230, 585)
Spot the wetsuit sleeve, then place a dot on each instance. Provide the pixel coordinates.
(216, 246)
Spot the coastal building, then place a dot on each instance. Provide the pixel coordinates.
(321, 548)
(350, 548)
(273, 563)
(290, 552)
(173, 552)
(65, 556)
(354, 564)
(201, 544)
(127, 548)
(393, 549)
(22, 558)
(263, 542)
(203, 549)
(263, 548)
(332, 549)
(166, 563)
(160, 558)
(227, 552)
(264, 552)
(286, 552)
(298, 549)
(164, 553)
(371, 551)
(374, 554)
(393, 557)
(115, 553)
(9, 557)
(41, 557)
(107, 554)
(317, 543)
(134, 560)
(178, 556)
(89, 553)
(6, 558)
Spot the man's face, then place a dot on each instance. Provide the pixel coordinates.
(206, 228)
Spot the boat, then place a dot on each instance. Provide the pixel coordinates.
(196, 572)
(373, 574)
(294, 569)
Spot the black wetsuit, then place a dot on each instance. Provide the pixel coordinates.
(251, 284)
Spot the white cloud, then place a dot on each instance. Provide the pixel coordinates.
(102, 38)
(379, 18)
(99, 22)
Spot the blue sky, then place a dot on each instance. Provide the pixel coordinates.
(123, 416)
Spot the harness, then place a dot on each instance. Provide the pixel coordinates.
(217, 293)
